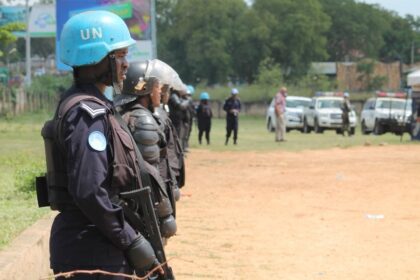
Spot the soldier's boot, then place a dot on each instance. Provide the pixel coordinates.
(234, 142)
(227, 140)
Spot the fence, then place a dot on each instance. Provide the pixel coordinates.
(16, 100)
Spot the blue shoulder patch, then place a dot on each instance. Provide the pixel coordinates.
(97, 141)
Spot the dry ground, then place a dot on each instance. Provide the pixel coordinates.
(332, 214)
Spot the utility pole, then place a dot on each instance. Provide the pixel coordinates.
(153, 19)
(412, 53)
(28, 47)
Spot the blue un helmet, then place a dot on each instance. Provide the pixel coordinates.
(88, 37)
(190, 90)
(204, 96)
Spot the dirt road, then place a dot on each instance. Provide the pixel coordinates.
(332, 214)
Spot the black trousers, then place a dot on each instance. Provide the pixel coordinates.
(232, 125)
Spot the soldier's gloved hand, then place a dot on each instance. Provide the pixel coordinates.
(141, 256)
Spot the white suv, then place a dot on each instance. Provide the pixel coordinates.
(325, 113)
(294, 112)
(384, 113)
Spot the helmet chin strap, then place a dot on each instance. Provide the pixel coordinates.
(114, 74)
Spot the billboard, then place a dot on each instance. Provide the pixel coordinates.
(9, 14)
(135, 13)
(42, 21)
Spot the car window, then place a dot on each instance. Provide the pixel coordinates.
(368, 104)
(295, 103)
(388, 104)
(329, 103)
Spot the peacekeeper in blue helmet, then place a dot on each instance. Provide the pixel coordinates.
(90, 158)
(138, 104)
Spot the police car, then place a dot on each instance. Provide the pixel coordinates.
(294, 112)
(325, 113)
(387, 112)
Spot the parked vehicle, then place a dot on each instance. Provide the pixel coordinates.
(325, 113)
(294, 112)
(387, 112)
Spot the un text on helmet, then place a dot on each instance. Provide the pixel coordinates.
(95, 32)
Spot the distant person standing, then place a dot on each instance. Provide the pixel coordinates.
(346, 108)
(204, 115)
(280, 110)
(232, 107)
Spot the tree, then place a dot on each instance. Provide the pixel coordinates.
(203, 42)
(250, 46)
(296, 32)
(398, 39)
(269, 76)
(6, 36)
(356, 31)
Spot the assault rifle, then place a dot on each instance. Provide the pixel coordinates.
(146, 223)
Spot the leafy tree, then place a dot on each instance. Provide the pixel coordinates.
(7, 38)
(250, 45)
(269, 76)
(201, 45)
(357, 29)
(398, 39)
(297, 29)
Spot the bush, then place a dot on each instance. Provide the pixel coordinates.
(26, 174)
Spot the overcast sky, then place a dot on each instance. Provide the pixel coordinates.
(402, 7)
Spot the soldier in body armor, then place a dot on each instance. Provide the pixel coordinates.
(138, 106)
(190, 115)
(175, 151)
(88, 165)
(178, 112)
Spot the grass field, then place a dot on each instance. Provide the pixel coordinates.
(253, 135)
(22, 158)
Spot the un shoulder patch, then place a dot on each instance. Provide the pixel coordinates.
(97, 141)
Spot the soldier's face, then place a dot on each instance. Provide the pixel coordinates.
(165, 94)
(121, 63)
(155, 95)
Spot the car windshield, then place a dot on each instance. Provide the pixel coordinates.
(296, 103)
(394, 104)
(329, 103)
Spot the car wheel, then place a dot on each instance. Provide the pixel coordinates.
(306, 128)
(317, 129)
(377, 129)
(364, 128)
(338, 131)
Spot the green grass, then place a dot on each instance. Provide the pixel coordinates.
(21, 159)
(253, 136)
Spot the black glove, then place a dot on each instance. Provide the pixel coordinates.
(141, 256)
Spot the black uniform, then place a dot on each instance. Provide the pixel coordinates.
(204, 115)
(94, 233)
(346, 108)
(178, 113)
(232, 117)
